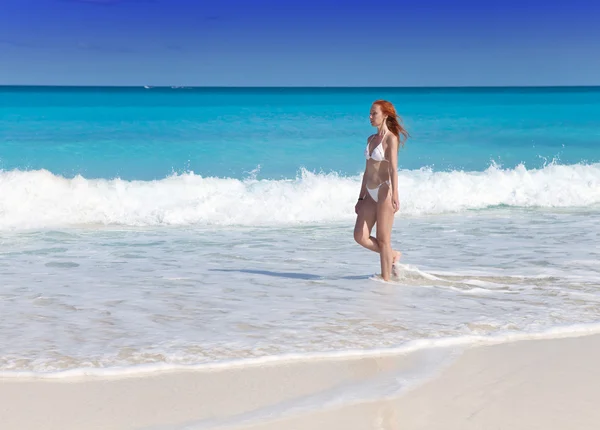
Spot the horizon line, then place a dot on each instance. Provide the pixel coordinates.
(293, 86)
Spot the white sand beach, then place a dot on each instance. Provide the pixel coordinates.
(534, 384)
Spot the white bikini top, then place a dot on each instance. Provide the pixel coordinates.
(377, 154)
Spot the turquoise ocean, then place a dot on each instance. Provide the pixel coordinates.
(152, 228)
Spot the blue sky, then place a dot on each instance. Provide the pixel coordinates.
(296, 43)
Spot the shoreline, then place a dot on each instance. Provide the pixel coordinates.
(410, 347)
(518, 384)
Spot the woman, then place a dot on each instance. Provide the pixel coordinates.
(378, 199)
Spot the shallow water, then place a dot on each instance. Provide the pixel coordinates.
(110, 261)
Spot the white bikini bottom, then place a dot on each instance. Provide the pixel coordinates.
(374, 192)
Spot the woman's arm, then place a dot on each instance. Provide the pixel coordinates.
(363, 191)
(363, 185)
(393, 148)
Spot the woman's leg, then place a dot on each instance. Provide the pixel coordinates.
(385, 222)
(365, 220)
(367, 216)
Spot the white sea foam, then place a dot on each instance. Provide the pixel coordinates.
(39, 199)
(131, 300)
(559, 332)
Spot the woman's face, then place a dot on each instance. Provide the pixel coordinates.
(376, 116)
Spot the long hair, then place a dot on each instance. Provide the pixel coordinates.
(393, 121)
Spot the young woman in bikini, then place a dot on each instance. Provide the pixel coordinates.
(378, 199)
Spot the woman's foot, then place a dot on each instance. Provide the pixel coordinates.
(397, 255)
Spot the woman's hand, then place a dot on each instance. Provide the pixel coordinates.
(358, 203)
(396, 203)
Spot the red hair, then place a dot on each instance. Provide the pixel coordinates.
(393, 121)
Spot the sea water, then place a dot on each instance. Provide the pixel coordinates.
(145, 228)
